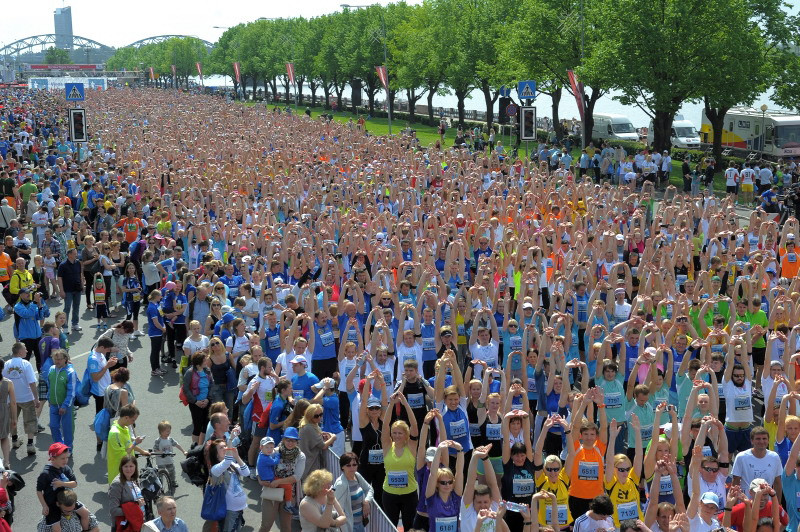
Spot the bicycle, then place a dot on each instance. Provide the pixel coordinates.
(155, 482)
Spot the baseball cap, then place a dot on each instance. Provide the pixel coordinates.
(228, 317)
(57, 449)
(527, 305)
(266, 440)
(620, 237)
(430, 453)
(169, 286)
(710, 497)
(291, 432)
(299, 359)
(619, 291)
(756, 483)
(25, 290)
(373, 402)
(776, 363)
(380, 236)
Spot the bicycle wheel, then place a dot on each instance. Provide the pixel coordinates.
(167, 486)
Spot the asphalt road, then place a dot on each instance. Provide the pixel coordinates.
(157, 399)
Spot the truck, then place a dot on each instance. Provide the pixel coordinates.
(615, 127)
(683, 135)
(773, 133)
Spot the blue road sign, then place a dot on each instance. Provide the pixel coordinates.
(504, 91)
(511, 109)
(75, 92)
(526, 89)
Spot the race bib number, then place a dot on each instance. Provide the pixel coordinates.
(493, 431)
(428, 344)
(665, 486)
(474, 430)
(99, 297)
(707, 450)
(397, 479)
(462, 331)
(416, 400)
(516, 343)
(531, 385)
(458, 429)
(791, 257)
(741, 402)
(274, 342)
(326, 338)
(137, 296)
(562, 513)
(3, 272)
(375, 456)
(588, 471)
(522, 487)
(446, 524)
(298, 394)
(627, 510)
(613, 400)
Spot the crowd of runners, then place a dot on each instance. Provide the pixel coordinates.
(485, 342)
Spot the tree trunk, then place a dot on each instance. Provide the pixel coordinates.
(255, 86)
(326, 89)
(462, 96)
(413, 98)
(489, 99)
(286, 88)
(273, 85)
(392, 94)
(588, 114)
(338, 89)
(313, 85)
(716, 116)
(662, 126)
(555, 97)
(431, 92)
(299, 89)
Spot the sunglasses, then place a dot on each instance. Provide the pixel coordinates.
(373, 408)
(623, 469)
(552, 469)
(445, 482)
(510, 325)
(711, 469)
(317, 416)
(215, 343)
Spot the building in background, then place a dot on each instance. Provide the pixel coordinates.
(62, 18)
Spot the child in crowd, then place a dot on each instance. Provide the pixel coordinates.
(164, 445)
(54, 478)
(100, 302)
(268, 458)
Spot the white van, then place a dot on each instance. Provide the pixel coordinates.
(618, 127)
(684, 135)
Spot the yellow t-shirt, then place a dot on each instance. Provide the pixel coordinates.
(625, 498)
(772, 430)
(561, 490)
(400, 478)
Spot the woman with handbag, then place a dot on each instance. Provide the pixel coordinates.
(319, 509)
(227, 469)
(197, 382)
(124, 494)
(354, 494)
(313, 442)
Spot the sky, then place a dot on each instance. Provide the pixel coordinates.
(118, 24)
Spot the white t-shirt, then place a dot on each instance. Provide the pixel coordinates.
(717, 487)
(749, 467)
(739, 402)
(403, 353)
(469, 518)
(346, 365)
(20, 372)
(286, 368)
(250, 305)
(487, 353)
(698, 525)
(731, 177)
(748, 175)
(195, 346)
(265, 386)
(238, 344)
(585, 523)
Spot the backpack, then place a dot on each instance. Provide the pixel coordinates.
(83, 389)
(102, 424)
(195, 466)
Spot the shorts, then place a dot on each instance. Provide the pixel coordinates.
(42, 387)
(258, 432)
(730, 189)
(747, 187)
(759, 354)
(28, 411)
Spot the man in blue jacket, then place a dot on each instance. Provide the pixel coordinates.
(27, 315)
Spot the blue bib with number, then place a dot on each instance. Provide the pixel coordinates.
(397, 479)
(588, 471)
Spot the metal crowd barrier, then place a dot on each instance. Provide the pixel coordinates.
(378, 522)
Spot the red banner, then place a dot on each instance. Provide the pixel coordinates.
(152, 74)
(383, 76)
(290, 72)
(199, 70)
(236, 72)
(577, 90)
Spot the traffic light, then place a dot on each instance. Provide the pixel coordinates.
(77, 125)
(527, 118)
(502, 115)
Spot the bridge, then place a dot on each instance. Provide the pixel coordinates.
(39, 43)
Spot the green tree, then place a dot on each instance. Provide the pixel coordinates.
(124, 58)
(57, 56)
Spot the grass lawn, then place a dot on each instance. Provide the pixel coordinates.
(428, 135)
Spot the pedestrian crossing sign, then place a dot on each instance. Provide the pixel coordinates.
(526, 90)
(74, 92)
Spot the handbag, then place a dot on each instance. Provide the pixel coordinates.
(272, 494)
(230, 377)
(214, 507)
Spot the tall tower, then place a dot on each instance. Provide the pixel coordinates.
(62, 17)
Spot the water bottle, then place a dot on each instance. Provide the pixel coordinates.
(515, 507)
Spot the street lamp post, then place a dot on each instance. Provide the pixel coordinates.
(383, 39)
(763, 130)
